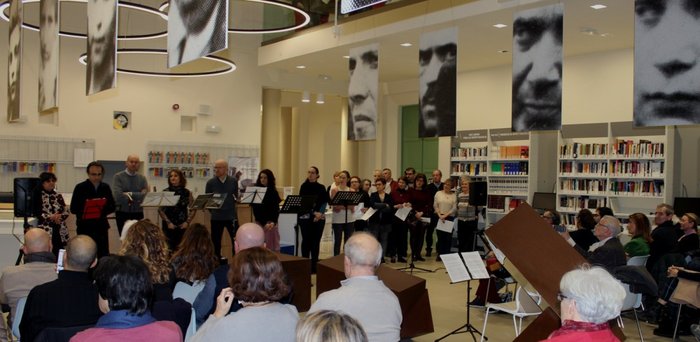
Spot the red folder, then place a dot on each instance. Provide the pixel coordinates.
(93, 208)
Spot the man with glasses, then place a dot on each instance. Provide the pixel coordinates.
(225, 217)
(608, 251)
(665, 236)
(93, 189)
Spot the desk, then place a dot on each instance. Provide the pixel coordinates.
(411, 291)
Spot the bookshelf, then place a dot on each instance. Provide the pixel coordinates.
(469, 154)
(615, 165)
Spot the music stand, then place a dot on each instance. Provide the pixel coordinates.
(412, 266)
(160, 199)
(201, 201)
(295, 204)
(459, 270)
(253, 194)
(346, 199)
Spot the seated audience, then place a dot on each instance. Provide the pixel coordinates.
(39, 267)
(589, 298)
(640, 230)
(668, 310)
(664, 237)
(330, 326)
(257, 283)
(689, 241)
(601, 212)
(608, 251)
(70, 300)
(195, 260)
(125, 293)
(362, 295)
(585, 224)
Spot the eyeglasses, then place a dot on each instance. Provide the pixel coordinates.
(95, 174)
(561, 297)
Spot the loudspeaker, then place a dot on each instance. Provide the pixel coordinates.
(23, 192)
(477, 193)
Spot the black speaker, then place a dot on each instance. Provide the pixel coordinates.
(23, 191)
(477, 193)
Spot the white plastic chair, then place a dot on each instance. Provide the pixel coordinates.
(18, 317)
(189, 294)
(524, 305)
(640, 260)
(633, 301)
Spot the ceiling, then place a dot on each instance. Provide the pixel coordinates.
(585, 31)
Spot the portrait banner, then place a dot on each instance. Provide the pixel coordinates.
(196, 28)
(14, 61)
(362, 92)
(49, 54)
(437, 60)
(101, 46)
(537, 68)
(666, 63)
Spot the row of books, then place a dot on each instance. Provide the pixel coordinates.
(583, 185)
(189, 172)
(512, 152)
(497, 185)
(580, 150)
(590, 168)
(470, 152)
(515, 168)
(633, 168)
(470, 169)
(27, 167)
(501, 203)
(643, 148)
(170, 157)
(637, 188)
(581, 202)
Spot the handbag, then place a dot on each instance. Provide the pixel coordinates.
(687, 292)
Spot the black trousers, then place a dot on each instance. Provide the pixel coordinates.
(429, 230)
(417, 230)
(311, 233)
(444, 242)
(466, 233)
(398, 239)
(122, 217)
(217, 231)
(174, 236)
(341, 231)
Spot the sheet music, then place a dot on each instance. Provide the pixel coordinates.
(169, 199)
(475, 265)
(445, 226)
(497, 252)
(455, 267)
(357, 214)
(152, 199)
(425, 219)
(369, 213)
(402, 213)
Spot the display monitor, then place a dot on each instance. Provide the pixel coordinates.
(682, 205)
(544, 200)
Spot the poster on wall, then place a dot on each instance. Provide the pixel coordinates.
(121, 120)
(666, 63)
(101, 46)
(49, 55)
(245, 169)
(537, 69)
(362, 92)
(437, 59)
(14, 61)
(196, 29)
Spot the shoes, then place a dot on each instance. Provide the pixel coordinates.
(418, 258)
(428, 252)
(438, 258)
(669, 332)
(393, 260)
(402, 259)
(695, 330)
(477, 302)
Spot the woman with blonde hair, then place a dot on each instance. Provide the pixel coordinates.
(330, 326)
(146, 241)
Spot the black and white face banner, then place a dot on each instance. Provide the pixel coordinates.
(14, 61)
(438, 83)
(666, 62)
(49, 54)
(537, 69)
(362, 92)
(196, 28)
(101, 46)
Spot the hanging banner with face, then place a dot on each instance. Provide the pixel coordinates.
(101, 46)
(14, 61)
(537, 68)
(48, 59)
(362, 92)
(666, 62)
(438, 83)
(196, 28)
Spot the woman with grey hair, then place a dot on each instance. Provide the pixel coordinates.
(330, 326)
(589, 298)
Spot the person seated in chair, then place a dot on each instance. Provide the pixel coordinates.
(608, 251)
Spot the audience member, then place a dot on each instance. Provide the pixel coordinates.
(664, 237)
(194, 260)
(600, 212)
(585, 224)
(125, 293)
(257, 283)
(608, 251)
(129, 188)
(330, 326)
(39, 267)
(640, 230)
(70, 300)
(146, 241)
(589, 298)
(362, 295)
(689, 241)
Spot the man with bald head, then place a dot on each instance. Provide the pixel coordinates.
(70, 300)
(226, 187)
(129, 188)
(362, 295)
(39, 267)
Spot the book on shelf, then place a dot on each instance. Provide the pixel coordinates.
(514, 152)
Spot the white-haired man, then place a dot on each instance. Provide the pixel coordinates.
(608, 251)
(362, 295)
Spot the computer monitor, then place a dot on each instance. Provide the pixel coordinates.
(544, 200)
(23, 190)
(682, 205)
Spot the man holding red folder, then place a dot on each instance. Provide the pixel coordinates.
(91, 203)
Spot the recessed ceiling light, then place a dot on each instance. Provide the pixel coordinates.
(500, 26)
(605, 34)
(598, 6)
(346, 57)
(406, 44)
(301, 66)
(502, 51)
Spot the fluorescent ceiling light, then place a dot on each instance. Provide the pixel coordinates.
(500, 26)
(406, 44)
(598, 6)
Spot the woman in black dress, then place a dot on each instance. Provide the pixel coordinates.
(178, 217)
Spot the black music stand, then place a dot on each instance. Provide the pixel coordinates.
(346, 199)
(412, 266)
(295, 204)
